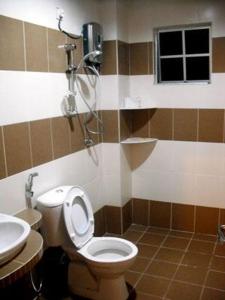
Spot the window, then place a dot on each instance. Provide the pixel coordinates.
(183, 54)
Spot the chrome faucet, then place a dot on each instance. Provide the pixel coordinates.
(28, 189)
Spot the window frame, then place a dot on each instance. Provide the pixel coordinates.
(157, 57)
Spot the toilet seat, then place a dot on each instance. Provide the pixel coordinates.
(78, 216)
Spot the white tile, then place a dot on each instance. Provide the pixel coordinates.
(183, 156)
(184, 188)
(109, 92)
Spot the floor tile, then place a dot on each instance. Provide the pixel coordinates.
(132, 277)
(211, 294)
(132, 236)
(169, 255)
(201, 247)
(184, 291)
(137, 227)
(140, 264)
(154, 285)
(220, 250)
(177, 243)
(183, 234)
(216, 280)
(196, 259)
(146, 250)
(160, 268)
(218, 263)
(191, 274)
(141, 296)
(158, 230)
(204, 237)
(152, 239)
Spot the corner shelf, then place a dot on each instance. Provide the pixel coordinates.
(138, 140)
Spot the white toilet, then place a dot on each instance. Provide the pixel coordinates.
(98, 264)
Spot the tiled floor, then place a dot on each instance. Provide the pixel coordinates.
(176, 265)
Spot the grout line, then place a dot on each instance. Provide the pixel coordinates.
(48, 63)
(171, 215)
(117, 57)
(24, 47)
(195, 212)
(52, 144)
(4, 151)
(31, 152)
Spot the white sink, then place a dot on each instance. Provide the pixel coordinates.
(13, 235)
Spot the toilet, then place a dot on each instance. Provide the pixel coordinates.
(98, 264)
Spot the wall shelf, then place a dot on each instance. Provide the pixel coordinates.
(138, 140)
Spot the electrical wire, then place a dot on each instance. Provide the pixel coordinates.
(72, 36)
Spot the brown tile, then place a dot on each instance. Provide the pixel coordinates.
(137, 227)
(201, 247)
(216, 280)
(158, 230)
(36, 47)
(123, 58)
(140, 211)
(132, 277)
(183, 291)
(185, 124)
(2, 156)
(183, 217)
(160, 213)
(41, 145)
(211, 125)
(206, 220)
(99, 222)
(146, 250)
(140, 264)
(113, 219)
(127, 215)
(57, 56)
(220, 249)
(218, 59)
(162, 269)
(218, 263)
(93, 125)
(196, 259)
(153, 285)
(125, 124)
(17, 148)
(177, 243)
(205, 237)
(132, 236)
(150, 58)
(142, 296)
(222, 216)
(139, 59)
(60, 136)
(161, 123)
(110, 121)
(152, 239)
(211, 294)
(109, 58)
(191, 274)
(140, 123)
(77, 133)
(182, 234)
(12, 44)
(169, 255)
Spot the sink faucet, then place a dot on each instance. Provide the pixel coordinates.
(28, 189)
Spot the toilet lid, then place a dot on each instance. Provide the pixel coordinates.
(78, 216)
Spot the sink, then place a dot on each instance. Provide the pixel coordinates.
(13, 236)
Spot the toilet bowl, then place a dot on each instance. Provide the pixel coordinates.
(97, 264)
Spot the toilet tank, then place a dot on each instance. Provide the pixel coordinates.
(50, 205)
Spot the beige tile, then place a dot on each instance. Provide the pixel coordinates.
(132, 236)
(160, 214)
(216, 280)
(60, 136)
(146, 250)
(113, 219)
(57, 56)
(220, 249)
(218, 59)
(158, 230)
(140, 211)
(154, 285)
(109, 58)
(77, 133)
(196, 259)
(212, 294)
(161, 123)
(125, 124)
(140, 120)
(162, 269)
(127, 215)
(169, 255)
(206, 220)
(2, 157)
(139, 265)
(142, 296)
(139, 59)
(152, 239)
(132, 277)
(211, 125)
(137, 227)
(17, 147)
(123, 58)
(183, 291)
(191, 274)
(12, 44)
(185, 124)
(183, 217)
(110, 121)
(201, 247)
(176, 243)
(41, 145)
(182, 234)
(205, 237)
(218, 263)
(36, 47)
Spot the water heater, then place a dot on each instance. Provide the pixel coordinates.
(92, 42)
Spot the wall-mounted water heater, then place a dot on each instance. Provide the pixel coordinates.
(92, 43)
